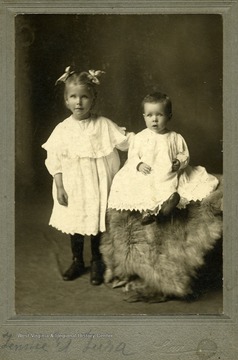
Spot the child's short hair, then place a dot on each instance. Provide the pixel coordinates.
(158, 97)
(80, 78)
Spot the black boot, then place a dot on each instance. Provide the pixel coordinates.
(77, 268)
(147, 218)
(169, 205)
(97, 265)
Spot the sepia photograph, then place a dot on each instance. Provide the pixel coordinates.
(118, 182)
(119, 164)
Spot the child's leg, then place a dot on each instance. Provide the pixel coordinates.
(77, 267)
(170, 204)
(97, 266)
(148, 217)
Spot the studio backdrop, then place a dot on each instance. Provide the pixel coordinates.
(180, 55)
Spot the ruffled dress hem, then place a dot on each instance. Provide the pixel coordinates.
(68, 232)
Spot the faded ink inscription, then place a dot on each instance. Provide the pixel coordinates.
(206, 349)
(94, 343)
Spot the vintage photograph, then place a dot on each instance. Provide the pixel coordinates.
(118, 164)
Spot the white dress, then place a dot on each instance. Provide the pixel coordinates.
(132, 190)
(85, 153)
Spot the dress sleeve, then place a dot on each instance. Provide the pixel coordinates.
(53, 163)
(54, 149)
(134, 154)
(124, 146)
(182, 152)
(119, 138)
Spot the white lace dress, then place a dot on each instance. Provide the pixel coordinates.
(85, 152)
(132, 190)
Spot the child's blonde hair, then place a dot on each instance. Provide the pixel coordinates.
(89, 79)
(81, 78)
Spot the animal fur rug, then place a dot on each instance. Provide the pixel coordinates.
(161, 260)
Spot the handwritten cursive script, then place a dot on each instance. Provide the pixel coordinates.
(30, 346)
(59, 345)
(107, 346)
(90, 343)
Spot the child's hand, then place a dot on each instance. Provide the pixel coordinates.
(175, 165)
(144, 168)
(62, 196)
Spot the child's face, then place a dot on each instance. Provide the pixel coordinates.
(156, 117)
(79, 100)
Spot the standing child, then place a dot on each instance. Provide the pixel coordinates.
(157, 177)
(83, 159)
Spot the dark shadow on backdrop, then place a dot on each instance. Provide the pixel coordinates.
(180, 55)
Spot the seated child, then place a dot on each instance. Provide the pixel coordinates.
(156, 177)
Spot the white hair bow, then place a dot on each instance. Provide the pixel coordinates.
(94, 74)
(65, 76)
